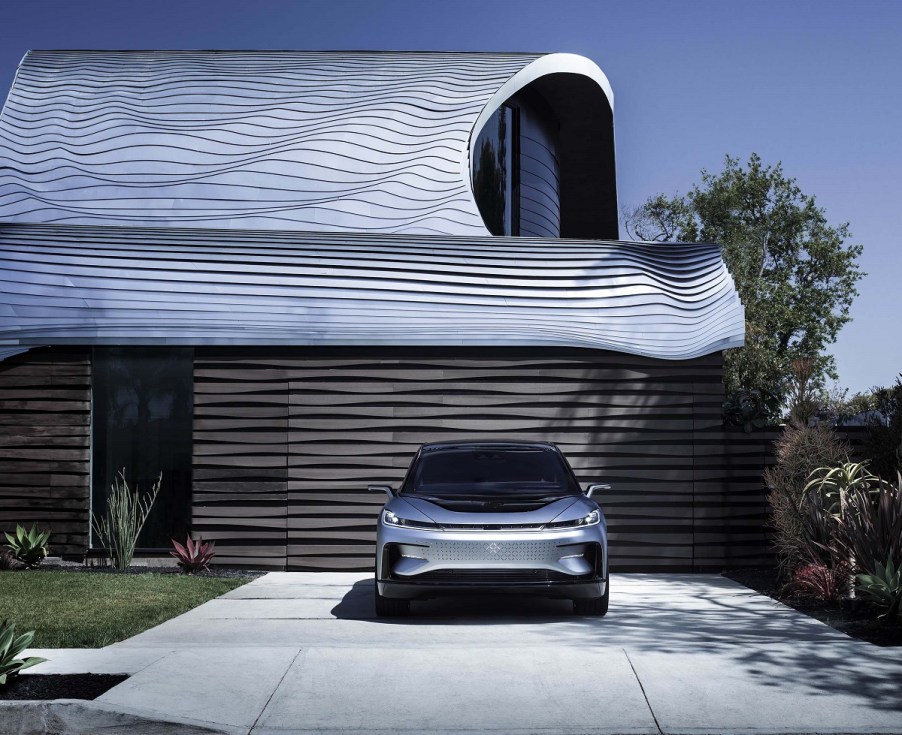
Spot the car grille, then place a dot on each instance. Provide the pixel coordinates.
(492, 526)
(493, 576)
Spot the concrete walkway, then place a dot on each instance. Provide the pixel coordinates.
(293, 652)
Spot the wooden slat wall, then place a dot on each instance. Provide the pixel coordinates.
(240, 459)
(45, 400)
(316, 426)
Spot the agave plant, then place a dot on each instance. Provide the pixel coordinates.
(29, 547)
(10, 648)
(883, 587)
(194, 556)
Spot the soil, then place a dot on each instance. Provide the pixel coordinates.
(59, 686)
(855, 618)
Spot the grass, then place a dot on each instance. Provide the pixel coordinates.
(69, 610)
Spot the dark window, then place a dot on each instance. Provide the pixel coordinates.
(491, 471)
(495, 172)
(142, 414)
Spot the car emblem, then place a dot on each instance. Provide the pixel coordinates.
(493, 547)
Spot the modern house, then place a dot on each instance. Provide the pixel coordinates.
(273, 275)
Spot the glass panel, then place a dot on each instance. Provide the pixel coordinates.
(492, 174)
(487, 471)
(142, 415)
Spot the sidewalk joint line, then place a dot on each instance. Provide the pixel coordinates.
(647, 703)
(275, 689)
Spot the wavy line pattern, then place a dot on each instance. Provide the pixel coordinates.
(325, 141)
(99, 285)
(286, 440)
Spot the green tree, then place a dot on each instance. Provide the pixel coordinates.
(794, 272)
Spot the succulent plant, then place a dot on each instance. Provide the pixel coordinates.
(883, 587)
(194, 556)
(29, 547)
(10, 648)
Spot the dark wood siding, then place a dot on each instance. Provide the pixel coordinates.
(240, 458)
(45, 399)
(286, 442)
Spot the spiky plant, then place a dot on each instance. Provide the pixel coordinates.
(126, 513)
(883, 587)
(29, 547)
(194, 556)
(822, 581)
(10, 648)
(835, 483)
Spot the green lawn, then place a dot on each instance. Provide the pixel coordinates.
(69, 610)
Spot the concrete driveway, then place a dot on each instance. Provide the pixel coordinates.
(676, 654)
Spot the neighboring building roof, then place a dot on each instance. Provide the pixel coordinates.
(319, 141)
(155, 286)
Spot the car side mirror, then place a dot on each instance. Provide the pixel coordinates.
(387, 489)
(592, 488)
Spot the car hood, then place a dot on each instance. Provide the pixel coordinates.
(515, 511)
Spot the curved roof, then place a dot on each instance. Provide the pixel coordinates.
(151, 286)
(317, 141)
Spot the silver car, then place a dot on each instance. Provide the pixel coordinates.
(491, 516)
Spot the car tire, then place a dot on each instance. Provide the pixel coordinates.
(594, 606)
(389, 607)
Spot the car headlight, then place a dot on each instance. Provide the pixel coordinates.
(592, 519)
(393, 519)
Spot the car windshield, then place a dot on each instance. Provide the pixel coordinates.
(490, 471)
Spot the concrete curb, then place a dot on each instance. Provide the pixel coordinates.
(77, 716)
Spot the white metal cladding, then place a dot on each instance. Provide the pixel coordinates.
(319, 141)
(113, 285)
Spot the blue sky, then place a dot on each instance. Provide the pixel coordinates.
(816, 85)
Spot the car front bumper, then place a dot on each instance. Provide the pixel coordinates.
(583, 590)
(416, 563)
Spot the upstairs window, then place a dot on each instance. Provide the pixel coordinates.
(496, 172)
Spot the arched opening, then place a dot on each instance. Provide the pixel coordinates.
(542, 163)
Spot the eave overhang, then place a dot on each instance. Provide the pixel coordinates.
(95, 285)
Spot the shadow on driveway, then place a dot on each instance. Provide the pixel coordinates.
(709, 623)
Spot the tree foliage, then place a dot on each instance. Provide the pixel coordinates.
(793, 271)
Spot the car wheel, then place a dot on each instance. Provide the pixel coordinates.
(388, 607)
(596, 606)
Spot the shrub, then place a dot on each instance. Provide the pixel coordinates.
(883, 443)
(869, 530)
(745, 408)
(800, 450)
(10, 648)
(29, 547)
(883, 587)
(125, 516)
(817, 540)
(194, 556)
(823, 581)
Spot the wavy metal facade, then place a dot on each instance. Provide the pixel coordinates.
(114, 285)
(320, 141)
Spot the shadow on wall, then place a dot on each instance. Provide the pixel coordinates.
(713, 621)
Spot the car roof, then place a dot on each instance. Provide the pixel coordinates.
(494, 444)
